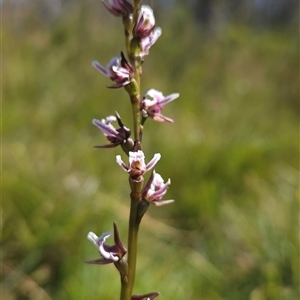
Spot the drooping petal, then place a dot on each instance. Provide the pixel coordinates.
(162, 203)
(162, 118)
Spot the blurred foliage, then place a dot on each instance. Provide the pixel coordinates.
(232, 155)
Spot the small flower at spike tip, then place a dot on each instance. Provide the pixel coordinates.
(137, 166)
(149, 296)
(155, 189)
(110, 254)
(119, 8)
(145, 22)
(114, 136)
(153, 103)
(118, 70)
(145, 33)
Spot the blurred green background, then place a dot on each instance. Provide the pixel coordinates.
(232, 153)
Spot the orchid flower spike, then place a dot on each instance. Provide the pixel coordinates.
(108, 254)
(116, 137)
(155, 189)
(118, 70)
(118, 8)
(137, 166)
(153, 103)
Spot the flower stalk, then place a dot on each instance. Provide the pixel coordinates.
(133, 231)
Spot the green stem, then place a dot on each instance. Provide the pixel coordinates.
(135, 102)
(123, 295)
(127, 23)
(127, 282)
(132, 243)
(122, 266)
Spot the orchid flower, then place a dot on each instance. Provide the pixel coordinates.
(108, 254)
(155, 189)
(118, 70)
(153, 103)
(137, 166)
(115, 136)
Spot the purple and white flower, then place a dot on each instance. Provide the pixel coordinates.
(145, 22)
(147, 42)
(99, 243)
(109, 254)
(153, 103)
(118, 70)
(137, 166)
(114, 136)
(119, 8)
(155, 189)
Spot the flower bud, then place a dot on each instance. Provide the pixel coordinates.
(145, 22)
(118, 8)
